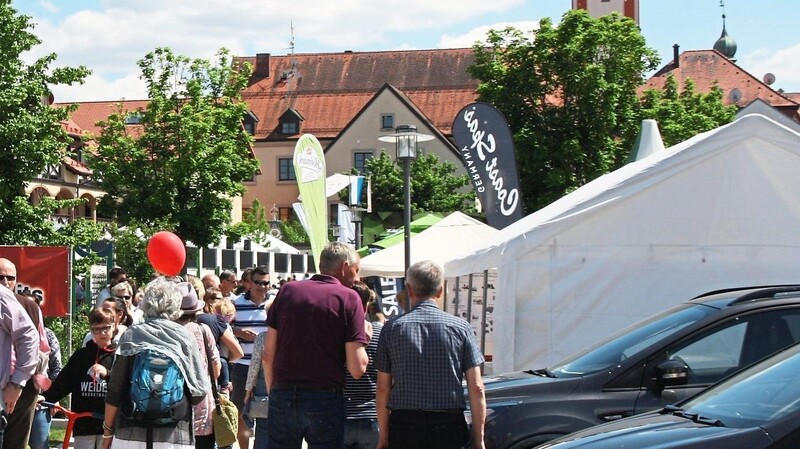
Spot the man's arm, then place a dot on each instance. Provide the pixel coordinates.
(357, 358)
(477, 404)
(270, 346)
(382, 407)
(229, 340)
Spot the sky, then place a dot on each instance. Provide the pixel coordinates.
(109, 36)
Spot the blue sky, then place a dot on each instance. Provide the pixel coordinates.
(108, 36)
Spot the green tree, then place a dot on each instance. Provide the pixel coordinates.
(682, 114)
(190, 154)
(31, 137)
(434, 185)
(569, 95)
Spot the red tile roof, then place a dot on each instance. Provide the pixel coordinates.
(706, 66)
(90, 112)
(329, 89)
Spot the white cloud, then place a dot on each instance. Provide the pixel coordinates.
(479, 33)
(49, 6)
(783, 63)
(95, 88)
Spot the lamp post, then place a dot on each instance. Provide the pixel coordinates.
(405, 138)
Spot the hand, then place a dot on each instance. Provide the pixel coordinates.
(368, 330)
(107, 443)
(383, 442)
(11, 395)
(249, 335)
(98, 371)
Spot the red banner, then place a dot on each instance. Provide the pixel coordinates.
(42, 272)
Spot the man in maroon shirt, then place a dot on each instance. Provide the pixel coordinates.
(316, 329)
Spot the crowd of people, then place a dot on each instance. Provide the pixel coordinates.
(311, 360)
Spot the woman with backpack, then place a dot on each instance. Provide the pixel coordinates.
(158, 375)
(85, 376)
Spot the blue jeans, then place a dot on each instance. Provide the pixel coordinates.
(296, 413)
(361, 433)
(40, 429)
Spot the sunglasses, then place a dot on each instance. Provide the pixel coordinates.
(8, 277)
(102, 330)
(261, 283)
(125, 297)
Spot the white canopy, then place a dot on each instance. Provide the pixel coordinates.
(719, 210)
(438, 243)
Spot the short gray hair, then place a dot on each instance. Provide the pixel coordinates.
(425, 278)
(335, 254)
(162, 299)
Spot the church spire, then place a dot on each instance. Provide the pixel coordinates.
(725, 44)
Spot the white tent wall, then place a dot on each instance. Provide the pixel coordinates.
(721, 210)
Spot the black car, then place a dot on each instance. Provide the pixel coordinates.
(661, 361)
(758, 408)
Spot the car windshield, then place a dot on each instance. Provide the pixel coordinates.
(764, 392)
(628, 342)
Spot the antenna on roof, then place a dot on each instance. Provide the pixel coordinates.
(291, 42)
(769, 79)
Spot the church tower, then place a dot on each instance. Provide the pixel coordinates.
(598, 8)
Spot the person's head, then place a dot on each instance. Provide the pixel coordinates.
(190, 304)
(124, 291)
(8, 273)
(245, 282)
(137, 297)
(119, 307)
(117, 274)
(103, 326)
(259, 282)
(365, 293)
(424, 280)
(162, 299)
(197, 284)
(211, 297)
(340, 261)
(227, 282)
(210, 280)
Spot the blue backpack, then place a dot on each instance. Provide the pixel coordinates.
(157, 390)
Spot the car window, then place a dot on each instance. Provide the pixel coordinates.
(737, 344)
(760, 394)
(623, 345)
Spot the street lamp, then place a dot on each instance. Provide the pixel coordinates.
(405, 138)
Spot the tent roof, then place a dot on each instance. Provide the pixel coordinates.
(438, 243)
(609, 190)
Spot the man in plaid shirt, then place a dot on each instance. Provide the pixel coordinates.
(423, 357)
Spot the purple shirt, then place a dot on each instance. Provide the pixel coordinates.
(18, 332)
(314, 319)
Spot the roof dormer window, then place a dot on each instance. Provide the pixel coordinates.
(249, 122)
(290, 122)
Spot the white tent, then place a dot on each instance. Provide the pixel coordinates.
(439, 243)
(719, 210)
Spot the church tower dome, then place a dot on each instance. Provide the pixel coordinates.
(725, 44)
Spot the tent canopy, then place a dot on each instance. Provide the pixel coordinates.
(438, 243)
(719, 210)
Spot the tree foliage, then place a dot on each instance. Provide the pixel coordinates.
(434, 185)
(190, 154)
(569, 95)
(682, 114)
(31, 137)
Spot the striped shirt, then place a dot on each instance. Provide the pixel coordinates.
(360, 394)
(249, 316)
(427, 351)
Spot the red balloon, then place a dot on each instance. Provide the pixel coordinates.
(166, 253)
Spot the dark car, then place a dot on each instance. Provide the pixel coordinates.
(661, 361)
(758, 408)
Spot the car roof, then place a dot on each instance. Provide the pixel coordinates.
(722, 299)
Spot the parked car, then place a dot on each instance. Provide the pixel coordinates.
(662, 360)
(758, 408)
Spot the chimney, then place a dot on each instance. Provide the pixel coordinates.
(261, 69)
(676, 55)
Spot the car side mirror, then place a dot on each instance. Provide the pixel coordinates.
(671, 373)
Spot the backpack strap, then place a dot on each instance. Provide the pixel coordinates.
(210, 373)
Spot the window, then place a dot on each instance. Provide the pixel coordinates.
(285, 213)
(288, 127)
(387, 121)
(360, 159)
(286, 169)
